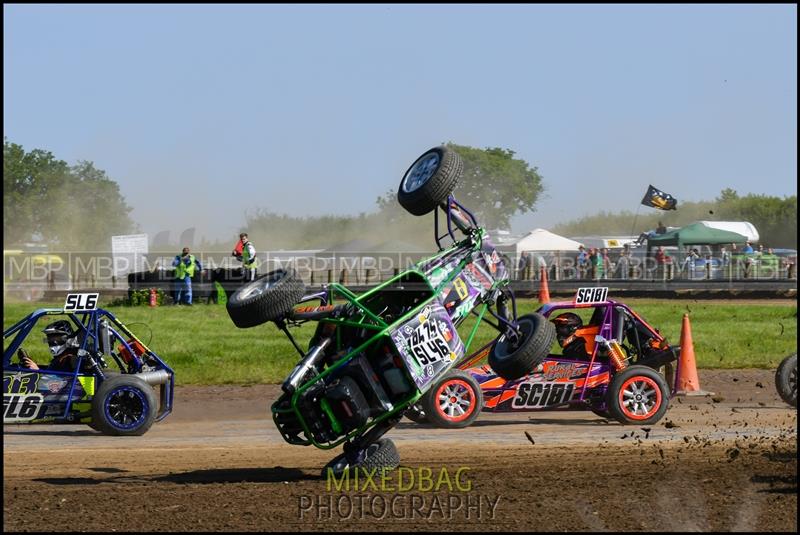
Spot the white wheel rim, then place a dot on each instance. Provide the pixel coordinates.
(455, 400)
(639, 398)
(258, 288)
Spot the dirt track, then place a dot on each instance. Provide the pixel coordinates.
(217, 463)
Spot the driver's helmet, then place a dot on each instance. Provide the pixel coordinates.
(59, 335)
(566, 325)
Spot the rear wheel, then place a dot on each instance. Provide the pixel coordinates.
(786, 380)
(265, 299)
(124, 405)
(454, 401)
(430, 180)
(380, 455)
(512, 359)
(638, 395)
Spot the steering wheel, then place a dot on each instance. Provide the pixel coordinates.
(22, 354)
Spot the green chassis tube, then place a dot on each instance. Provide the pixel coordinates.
(368, 320)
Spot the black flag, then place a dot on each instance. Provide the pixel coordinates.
(658, 199)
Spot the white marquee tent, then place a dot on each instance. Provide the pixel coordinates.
(543, 240)
(745, 228)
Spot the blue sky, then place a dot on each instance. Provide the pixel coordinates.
(203, 113)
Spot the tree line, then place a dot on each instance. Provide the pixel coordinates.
(80, 207)
(67, 207)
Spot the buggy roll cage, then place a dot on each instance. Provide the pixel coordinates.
(94, 342)
(612, 328)
(468, 224)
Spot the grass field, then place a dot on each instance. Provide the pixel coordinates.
(204, 347)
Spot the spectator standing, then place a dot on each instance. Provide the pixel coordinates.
(247, 255)
(663, 260)
(596, 263)
(747, 251)
(623, 264)
(185, 266)
(768, 263)
(605, 262)
(691, 262)
(582, 261)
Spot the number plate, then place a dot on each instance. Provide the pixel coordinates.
(428, 344)
(81, 302)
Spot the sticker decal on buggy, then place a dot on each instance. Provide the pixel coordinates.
(19, 408)
(428, 343)
(461, 288)
(20, 383)
(588, 296)
(81, 302)
(542, 394)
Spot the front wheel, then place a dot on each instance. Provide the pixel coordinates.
(454, 401)
(265, 299)
(430, 180)
(380, 455)
(124, 406)
(638, 395)
(786, 380)
(514, 357)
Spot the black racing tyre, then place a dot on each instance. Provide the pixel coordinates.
(416, 414)
(124, 405)
(512, 361)
(637, 395)
(380, 455)
(265, 299)
(430, 180)
(786, 379)
(453, 401)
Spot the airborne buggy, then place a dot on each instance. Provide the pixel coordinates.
(376, 354)
(112, 386)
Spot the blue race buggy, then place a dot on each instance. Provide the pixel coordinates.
(115, 399)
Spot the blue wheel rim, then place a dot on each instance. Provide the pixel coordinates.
(421, 172)
(126, 408)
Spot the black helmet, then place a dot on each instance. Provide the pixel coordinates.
(58, 335)
(566, 324)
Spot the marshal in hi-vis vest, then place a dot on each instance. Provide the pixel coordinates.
(248, 261)
(181, 270)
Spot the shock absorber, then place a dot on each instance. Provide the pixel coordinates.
(616, 355)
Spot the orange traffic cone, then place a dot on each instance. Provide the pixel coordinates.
(688, 382)
(544, 292)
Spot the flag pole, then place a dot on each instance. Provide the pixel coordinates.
(635, 217)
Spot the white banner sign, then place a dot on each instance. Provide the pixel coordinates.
(129, 253)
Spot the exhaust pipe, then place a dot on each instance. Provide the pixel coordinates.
(293, 381)
(158, 377)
